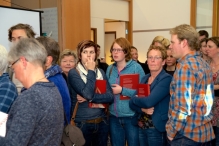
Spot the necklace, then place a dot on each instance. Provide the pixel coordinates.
(41, 79)
(214, 66)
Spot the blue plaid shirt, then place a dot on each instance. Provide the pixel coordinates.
(8, 93)
(192, 94)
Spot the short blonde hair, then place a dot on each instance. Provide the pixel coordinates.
(162, 40)
(67, 52)
(187, 32)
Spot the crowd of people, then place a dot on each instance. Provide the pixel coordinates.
(41, 85)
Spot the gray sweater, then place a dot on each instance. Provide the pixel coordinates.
(35, 118)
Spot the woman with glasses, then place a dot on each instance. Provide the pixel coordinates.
(92, 121)
(121, 116)
(213, 53)
(152, 110)
(36, 116)
(67, 61)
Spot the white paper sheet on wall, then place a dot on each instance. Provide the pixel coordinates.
(50, 22)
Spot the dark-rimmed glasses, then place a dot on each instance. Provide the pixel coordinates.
(10, 66)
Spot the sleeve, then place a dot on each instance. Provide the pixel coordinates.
(155, 96)
(104, 98)
(179, 110)
(134, 107)
(84, 90)
(22, 122)
(8, 93)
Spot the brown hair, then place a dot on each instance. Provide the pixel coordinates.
(162, 50)
(125, 45)
(86, 44)
(51, 46)
(214, 40)
(188, 33)
(27, 28)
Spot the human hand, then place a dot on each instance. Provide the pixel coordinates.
(116, 88)
(81, 99)
(90, 64)
(170, 138)
(148, 111)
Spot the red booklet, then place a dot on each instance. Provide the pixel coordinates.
(129, 81)
(100, 88)
(143, 90)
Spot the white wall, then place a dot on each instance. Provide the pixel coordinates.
(204, 15)
(151, 16)
(107, 9)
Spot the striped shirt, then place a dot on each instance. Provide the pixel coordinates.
(192, 94)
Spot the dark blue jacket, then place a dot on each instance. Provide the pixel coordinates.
(87, 90)
(159, 99)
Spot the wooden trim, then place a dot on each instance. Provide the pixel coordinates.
(152, 30)
(94, 34)
(130, 22)
(193, 12)
(60, 30)
(215, 20)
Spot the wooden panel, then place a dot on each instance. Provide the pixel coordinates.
(4, 3)
(193, 12)
(130, 23)
(215, 23)
(25, 4)
(74, 22)
(48, 3)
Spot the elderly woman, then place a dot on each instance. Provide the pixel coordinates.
(36, 116)
(93, 122)
(8, 91)
(153, 109)
(67, 61)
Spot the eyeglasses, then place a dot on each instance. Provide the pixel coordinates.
(154, 58)
(117, 50)
(14, 63)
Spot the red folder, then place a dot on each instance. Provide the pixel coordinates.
(143, 90)
(100, 88)
(129, 81)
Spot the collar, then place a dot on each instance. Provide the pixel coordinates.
(190, 54)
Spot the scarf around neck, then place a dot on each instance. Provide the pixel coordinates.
(83, 73)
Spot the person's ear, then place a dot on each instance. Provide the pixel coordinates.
(49, 60)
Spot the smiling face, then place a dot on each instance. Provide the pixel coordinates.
(155, 61)
(87, 53)
(170, 61)
(67, 63)
(118, 53)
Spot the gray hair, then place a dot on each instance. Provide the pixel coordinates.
(3, 59)
(29, 48)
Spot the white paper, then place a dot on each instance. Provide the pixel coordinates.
(3, 120)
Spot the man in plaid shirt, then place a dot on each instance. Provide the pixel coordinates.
(191, 90)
